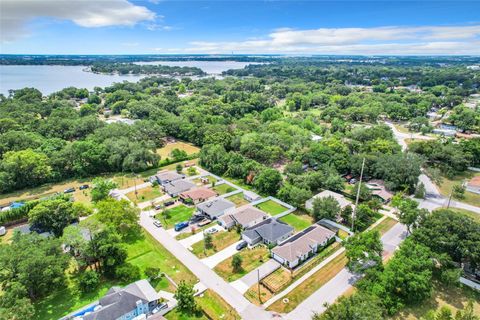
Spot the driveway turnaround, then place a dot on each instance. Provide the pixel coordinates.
(248, 280)
(343, 281)
(207, 276)
(218, 257)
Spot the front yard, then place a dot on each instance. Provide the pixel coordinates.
(298, 219)
(251, 259)
(271, 207)
(177, 214)
(447, 184)
(220, 241)
(145, 194)
(385, 225)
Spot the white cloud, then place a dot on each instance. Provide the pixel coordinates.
(379, 40)
(15, 14)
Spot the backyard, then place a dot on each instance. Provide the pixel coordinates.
(271, 207)
(237, 199)
(145, 194)
(211, 179)
(177, 214)
(223, 188)
(251, 259)
(298, 219)
(220, 241)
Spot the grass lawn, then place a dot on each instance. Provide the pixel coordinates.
(167, 149)
(310, 285)
(145, 194)
(401, 128)
(213, 307)
(252, 294)
(470, 197)
(475, 216)
(453, 298)
(189, 233)
(251, 259)
(342, 234)
(238, 199)
(299, 220)
(143, 252)
(211, 179)
(221, 240)
(385, 225)
(223, 188)
(271, 207)
(177, 214)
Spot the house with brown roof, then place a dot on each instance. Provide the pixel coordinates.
(474, 185)
(379, 191)
(303, 245)
(198, 195)
(246, 217)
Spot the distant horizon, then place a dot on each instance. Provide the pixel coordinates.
(239, 55)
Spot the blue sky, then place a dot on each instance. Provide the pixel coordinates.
(291, 27)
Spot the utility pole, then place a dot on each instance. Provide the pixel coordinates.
(449, 199)
(258, 285)
(358, 194)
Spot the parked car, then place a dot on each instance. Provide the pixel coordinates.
(158, 207)
(69, 190)
(181, 225)
(168, 203)
(204, 222)
(160, 307)
(197, 218)
(211, 230)
(157, 223)
(83, 187)
(241, 245)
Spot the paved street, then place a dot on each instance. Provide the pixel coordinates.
(401, 137)
(209, 278)
(343, 281)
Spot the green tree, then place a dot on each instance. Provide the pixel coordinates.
(268, 181)
(52, 216)
(458, 192)
(120, 215)
(364, 250)
(325, 208)
(101, 189)
(179, 168)
(185, 298)
(88, 281)
(237, 263)
(359, 306)
(208, 241)
(105, 252)
(294, 195)
(407, 170)
(420, 191)
(153, 273)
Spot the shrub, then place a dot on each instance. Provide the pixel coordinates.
(127, 273)
(88, 281)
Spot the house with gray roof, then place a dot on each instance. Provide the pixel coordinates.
(270, 231)
(136, 299)
(166, 177)
(176, 187)
(246, 217)
(302, 246)
(216, 208)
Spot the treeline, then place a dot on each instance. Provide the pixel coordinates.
(130, 68)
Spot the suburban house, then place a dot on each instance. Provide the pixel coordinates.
(246, 217)
(474, 185)
(176, 187)
(342, 201)
(251, 196)
(198, 195)
(268, 231)
(303, 245)
(216, 208)
(138, 298)
(378, 190)
(166, 177)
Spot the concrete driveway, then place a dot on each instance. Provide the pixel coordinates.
(188, 242)
(218, 257)
(248, 280)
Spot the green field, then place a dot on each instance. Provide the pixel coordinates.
(298, 220)
(237, 199)
(221, 240)
(223, 188)
(447, 184)
(271, 207)
(172, 216)
(145, 194)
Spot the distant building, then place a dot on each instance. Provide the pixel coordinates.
(250, 196)
(216, 208)
(136, 299)
(302, 245)
(270, 232)
(474, 185)
(198, 195)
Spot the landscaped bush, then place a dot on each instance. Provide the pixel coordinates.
(88, 281)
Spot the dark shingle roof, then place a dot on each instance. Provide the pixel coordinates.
(269, 230)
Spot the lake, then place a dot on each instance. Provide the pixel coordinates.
(50, 79)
